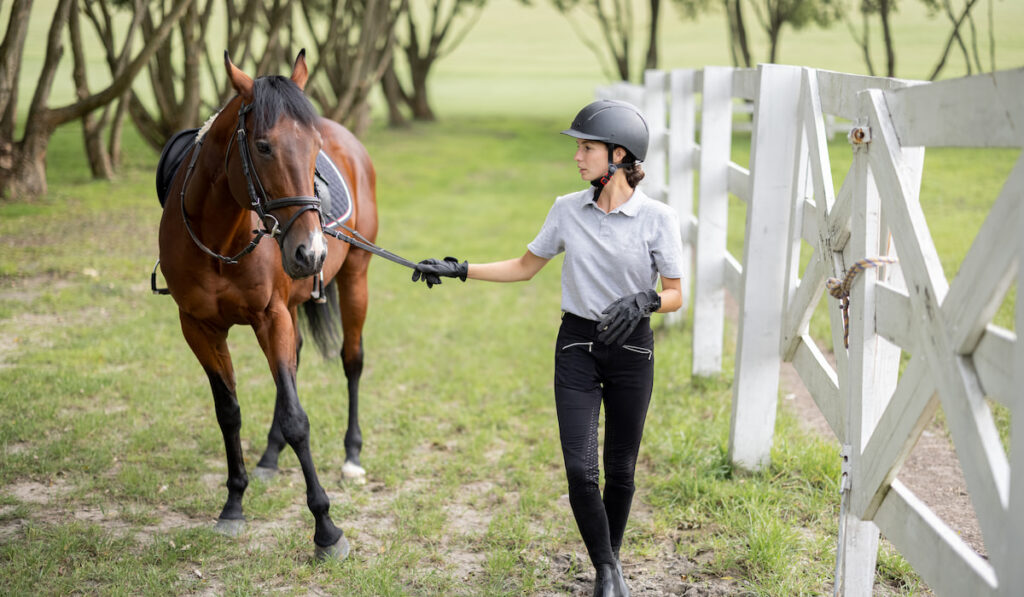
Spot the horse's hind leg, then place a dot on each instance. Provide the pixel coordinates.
(266, 468)
(353, 299)
(210, 347)
(278, 342)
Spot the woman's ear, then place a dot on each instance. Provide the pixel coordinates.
(618, 154)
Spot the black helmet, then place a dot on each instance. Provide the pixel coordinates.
(615, 123)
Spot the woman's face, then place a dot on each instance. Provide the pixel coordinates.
(591, 159)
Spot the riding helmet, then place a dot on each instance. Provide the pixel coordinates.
(614, 122)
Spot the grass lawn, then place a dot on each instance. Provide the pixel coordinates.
(111, 462)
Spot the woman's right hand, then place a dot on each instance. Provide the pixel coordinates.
(432, 270)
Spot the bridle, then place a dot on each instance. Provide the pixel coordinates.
(258, 201)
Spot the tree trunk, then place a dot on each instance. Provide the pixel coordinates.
(352, 64)
(152, 132)
(116, 128)
(92, 127)
(730, 23)
(419, 102)
(884, 10)
(394, 96)
(773, 36)
(652, 39)
(11, 52)
(865, 45)
(952, 37)
(188, 114)
(27, 175)
(741, 33)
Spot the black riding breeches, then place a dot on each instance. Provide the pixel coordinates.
(586, 372)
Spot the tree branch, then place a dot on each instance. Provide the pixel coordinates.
(122, 82)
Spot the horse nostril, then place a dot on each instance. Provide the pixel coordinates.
(303, 257)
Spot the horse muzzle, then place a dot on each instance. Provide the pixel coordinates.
(304, 257)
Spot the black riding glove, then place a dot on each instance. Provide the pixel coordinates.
(619, 319)
(432, 270)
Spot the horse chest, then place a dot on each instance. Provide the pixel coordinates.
(218, 301)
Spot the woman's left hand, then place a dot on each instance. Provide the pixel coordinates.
(431, 270)
(619, 319)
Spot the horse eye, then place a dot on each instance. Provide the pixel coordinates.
(263, 147)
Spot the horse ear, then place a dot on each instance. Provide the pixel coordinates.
(239, 80)
(300, 74)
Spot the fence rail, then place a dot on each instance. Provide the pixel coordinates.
(958, 357)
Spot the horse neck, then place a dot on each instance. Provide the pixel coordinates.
(208, 199)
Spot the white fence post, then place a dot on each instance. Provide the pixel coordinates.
(772, 164)
(1012, 540)
(682, 159)
(655, 182)
(872, 373)
(712, 220)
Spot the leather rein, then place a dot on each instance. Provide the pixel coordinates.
(259, 202)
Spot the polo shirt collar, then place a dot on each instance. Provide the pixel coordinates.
(630, 208)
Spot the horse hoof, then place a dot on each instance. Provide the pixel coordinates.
(263, 473)
(336, 552)
(230, 527)
(353, 473)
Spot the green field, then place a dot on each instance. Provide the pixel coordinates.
(111, 461)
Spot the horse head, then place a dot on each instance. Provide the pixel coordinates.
(272, 170)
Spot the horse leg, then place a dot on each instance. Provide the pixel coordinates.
(353, 299)
(266, 468)
(277, 339)
(210, 346)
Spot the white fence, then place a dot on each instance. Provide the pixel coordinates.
(958, 357)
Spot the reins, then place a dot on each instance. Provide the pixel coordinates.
(263, 206)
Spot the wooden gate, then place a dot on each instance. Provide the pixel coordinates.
(877, 408)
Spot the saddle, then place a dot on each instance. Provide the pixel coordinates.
(171, 158)
(328, 182)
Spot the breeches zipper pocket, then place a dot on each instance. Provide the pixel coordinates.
(640, 350)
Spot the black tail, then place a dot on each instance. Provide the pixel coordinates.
(322, 321)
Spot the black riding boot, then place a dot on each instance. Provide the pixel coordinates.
(623, 589)
(608, 581)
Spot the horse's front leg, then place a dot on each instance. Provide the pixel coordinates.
(276, 335)
(266, 468)
(210, 346)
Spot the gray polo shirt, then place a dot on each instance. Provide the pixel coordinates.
(611, 255)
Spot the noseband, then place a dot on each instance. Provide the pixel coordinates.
(258, 201)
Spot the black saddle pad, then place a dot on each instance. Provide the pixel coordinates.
(333, 191)
(171, 157)
(330, 185)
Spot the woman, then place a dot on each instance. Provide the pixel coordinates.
(617, 241)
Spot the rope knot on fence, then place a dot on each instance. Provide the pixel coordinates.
(840, 289)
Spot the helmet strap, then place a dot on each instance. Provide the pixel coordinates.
(612, 166)
(600, 182)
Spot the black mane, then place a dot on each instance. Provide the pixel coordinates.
(275, 94)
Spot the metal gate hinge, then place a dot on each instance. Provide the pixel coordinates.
(859, 136)
(844, 475)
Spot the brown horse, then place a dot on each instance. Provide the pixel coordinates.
(250, 176)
